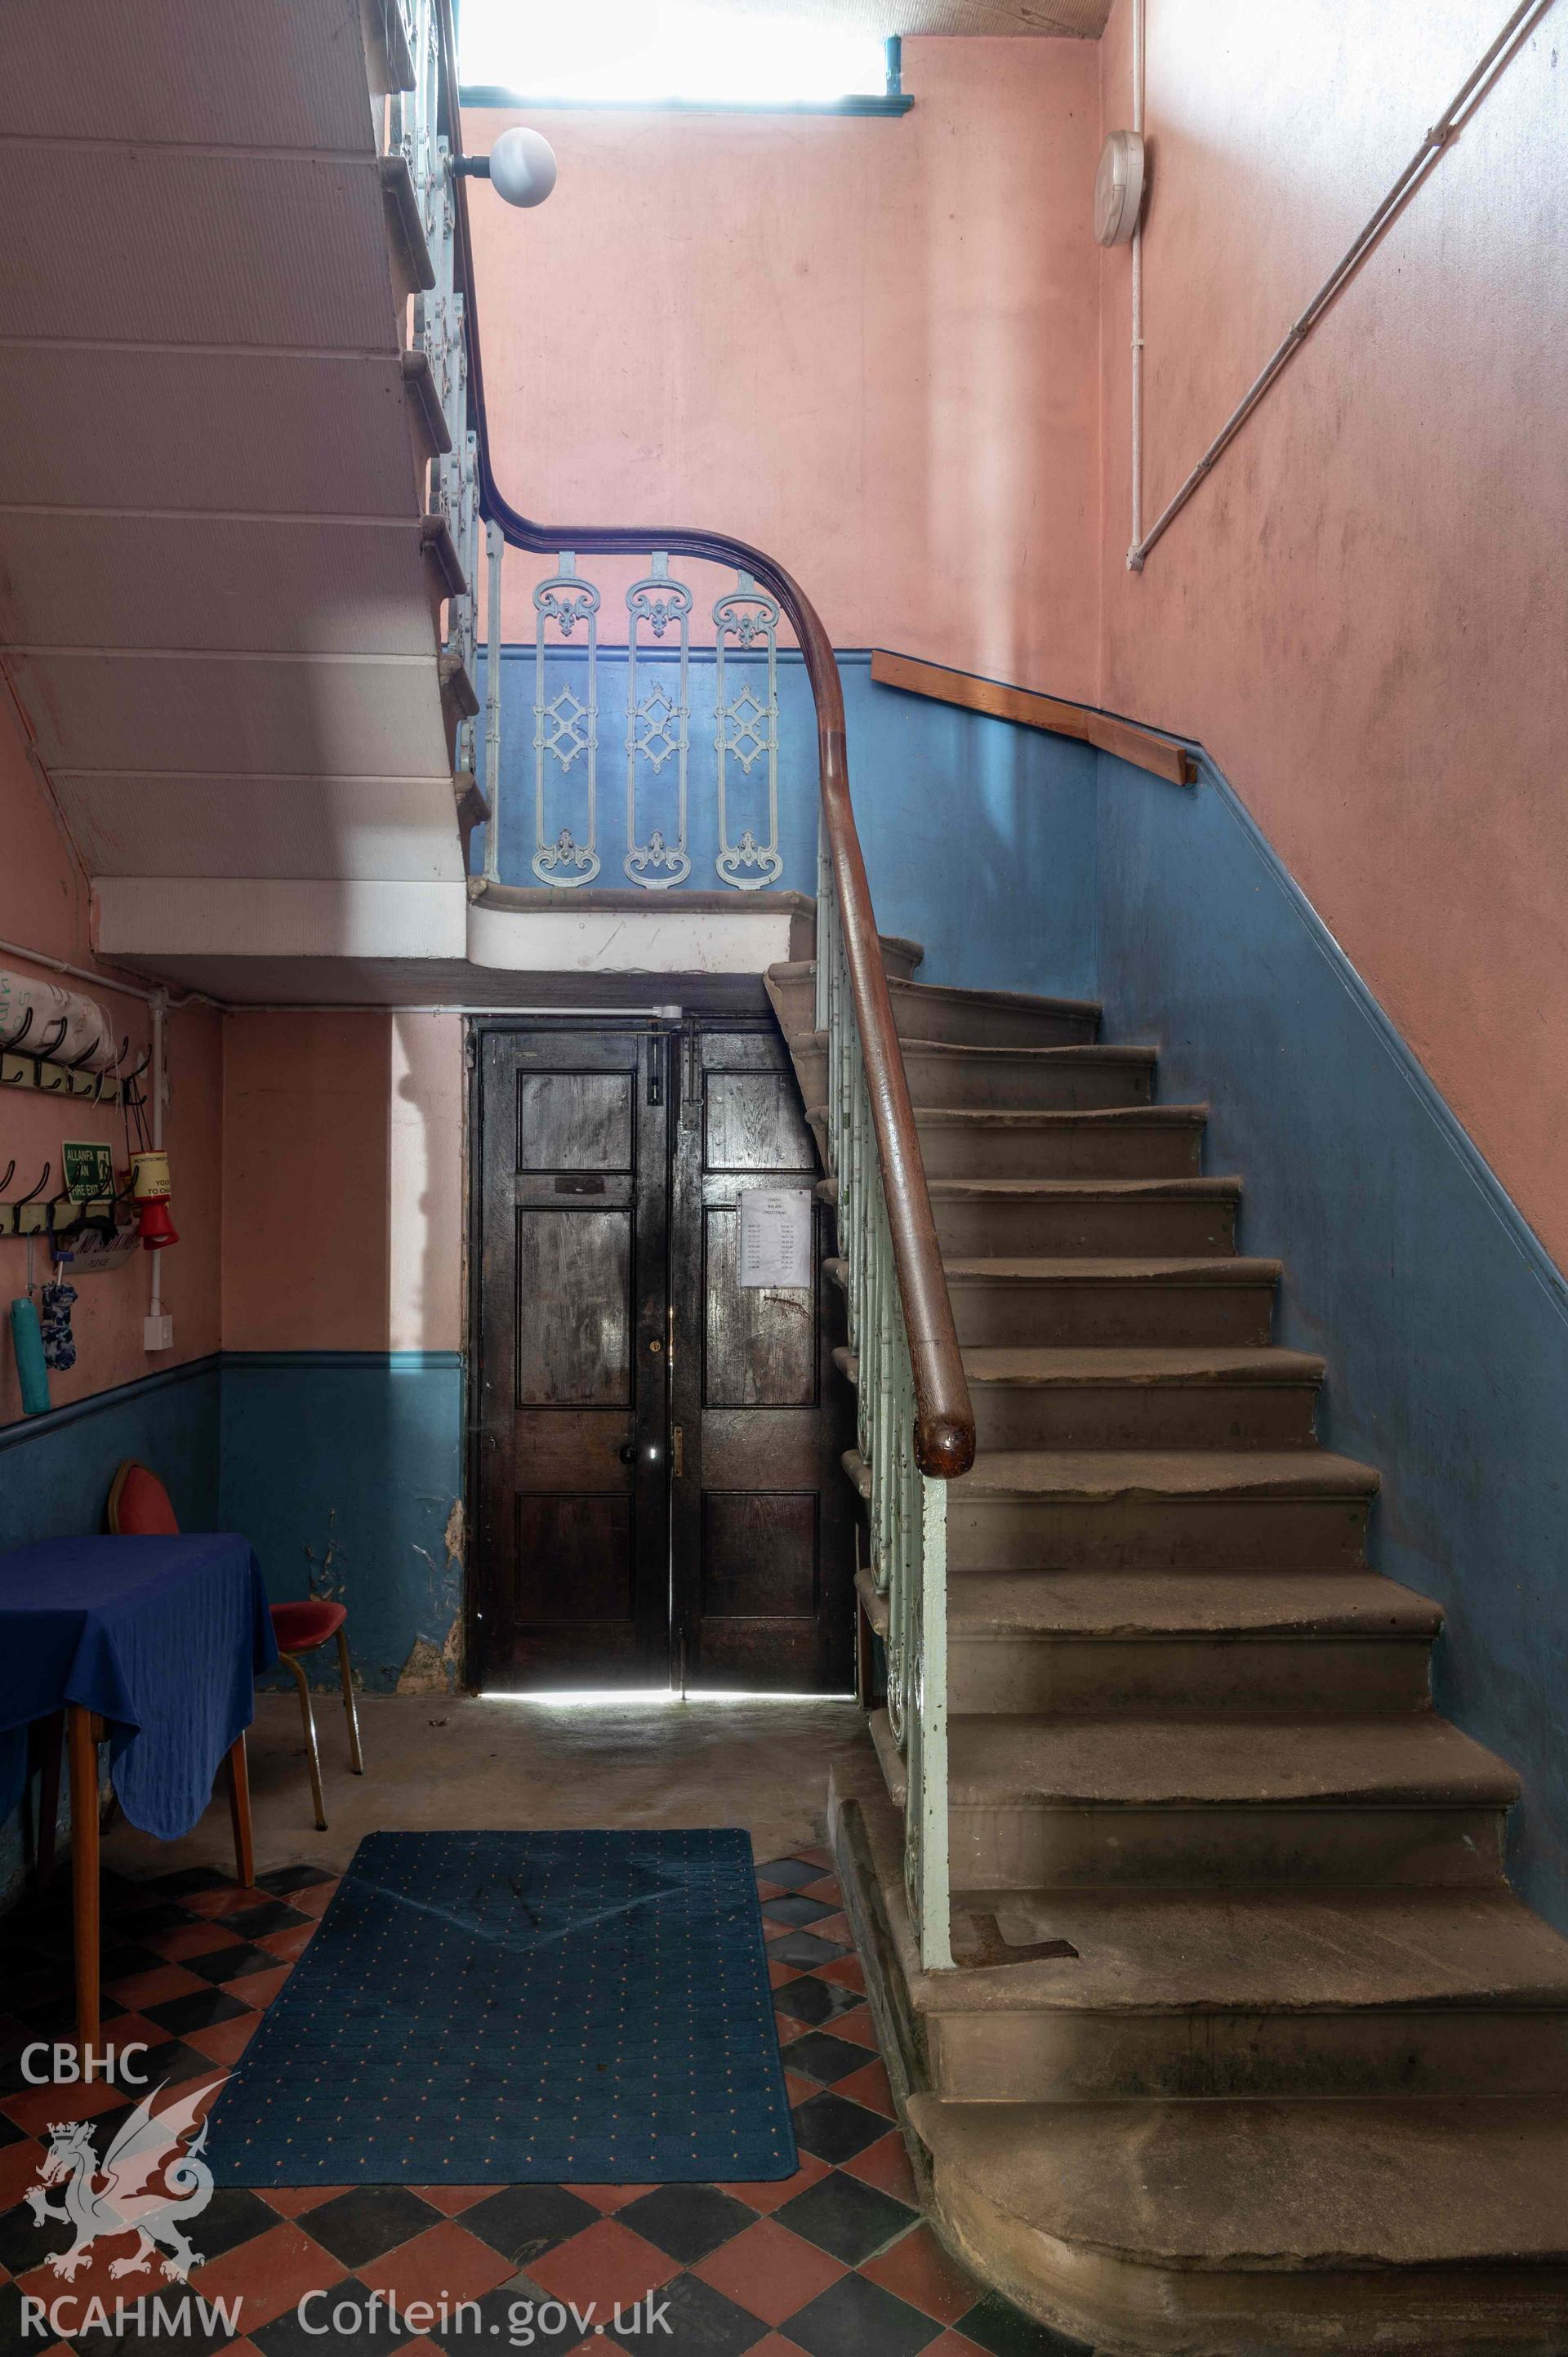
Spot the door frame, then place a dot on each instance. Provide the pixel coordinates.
(670, 997)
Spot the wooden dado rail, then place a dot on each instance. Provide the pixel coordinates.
(1142, 746)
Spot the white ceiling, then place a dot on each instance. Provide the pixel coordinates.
(214, 604)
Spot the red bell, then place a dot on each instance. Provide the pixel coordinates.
(156, 1228)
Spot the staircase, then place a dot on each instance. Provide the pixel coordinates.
(1248, 2047)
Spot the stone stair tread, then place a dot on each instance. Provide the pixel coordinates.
(1094, 1050)
(1412, 1758)
(1170, 1473)
(1133, 1604)
(1003, 1190)
(1334, 1951)
(797, 970)
(1256, 2185)
(1162, 1269)
(1139, 1363)
(1137, 1116)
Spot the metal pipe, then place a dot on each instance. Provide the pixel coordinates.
(495, 549)
(157, 1080)
(1135, 559)
(1473, 89)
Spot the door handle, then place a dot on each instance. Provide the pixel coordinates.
(677, 1451)
(626, 1452)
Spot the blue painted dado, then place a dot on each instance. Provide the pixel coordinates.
(1444, 1322)
(55, 1469)
(979, 837)
(345, 1470)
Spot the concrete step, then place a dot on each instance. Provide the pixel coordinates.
(1121, 1142)
(981, 1018)
(1092, 1995)
(1240, 1642)
(1120, 1397)
(1080, 1217)
(1007, 1302)
(1191, 1799)
(1064, 1079)
(1251, 2229)
(1160, 1510)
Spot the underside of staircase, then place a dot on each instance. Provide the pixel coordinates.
(1248, 2047)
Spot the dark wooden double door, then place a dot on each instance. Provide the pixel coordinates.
(661, 1501)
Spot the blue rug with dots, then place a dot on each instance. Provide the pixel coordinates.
(587, 2008)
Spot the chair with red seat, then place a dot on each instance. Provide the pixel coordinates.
(140, 1507)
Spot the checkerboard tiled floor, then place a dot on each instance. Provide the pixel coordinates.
(835, 2262)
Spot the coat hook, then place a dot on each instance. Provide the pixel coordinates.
(10, 1174)
(141, 1068)
(38, 1190)
(62, 1025)
(20, 1033)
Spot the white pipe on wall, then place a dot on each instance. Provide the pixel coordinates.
(156, 1075)
(1134, 550)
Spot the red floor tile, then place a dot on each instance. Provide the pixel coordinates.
(258, 1988)
(606, 2263)
(800, 2089)
(774, 2194)
(289, 1945)
(225, 2042)
(868, 2086)
(832, 1927)
(292, 2200)
(885, 2165)
(859, 2026)
(779, 1973)
(827, 1892)
(314, 1899)
(609, 2198)
(134, 2030)
(270, 2274)
(822, 1857)
(788, 2029)
(770, 2271)
(18, 2168)
(919, 2270)
(221, 1901)
(951, 2344)
(192, 1940)
(452, 2199)
(155, 1988)
(845, 1972)
(34, 2108)
(775, 2345)
(445, 2262)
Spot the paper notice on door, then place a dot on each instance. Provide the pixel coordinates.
(776, 1236)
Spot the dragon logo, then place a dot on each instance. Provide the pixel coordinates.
(146, 2185)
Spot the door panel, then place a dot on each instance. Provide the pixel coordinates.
(572, 1582)
(763, 1554)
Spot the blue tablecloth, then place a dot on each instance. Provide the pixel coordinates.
(163, 1636)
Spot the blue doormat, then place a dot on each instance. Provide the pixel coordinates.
(584, 2008)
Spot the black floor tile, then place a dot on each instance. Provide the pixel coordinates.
(361, 2224)
(281, 1879)
(9, 2132)
(820, 2056)
(197, 2009)
(185, 1880)
(167, 2065)
(816, 2001)
(522, 2222)
(373, 2336)
(233, 2216)
(846, 2218)
(512, 2311)
(55, 2016)
(790, 1873)
(833, 2129)
(856, 2318)
(180, 2306)
(227, 1963)
(271, 1915)
(140, 1922)
(804, 1948)
(687, 2221)
(122, 1957)
(1006, 2331)
(690, 2318)
(796, 1911)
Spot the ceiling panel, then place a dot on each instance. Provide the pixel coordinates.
(383, 829)
(318, 716)
(247, 432)
(170, 245)
(256, 73)
(301, 584)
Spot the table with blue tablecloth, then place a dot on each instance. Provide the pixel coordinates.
(153, 1644)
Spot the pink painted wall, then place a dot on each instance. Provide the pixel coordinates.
(343, 1182)
(867, 344)
(1362, 611)
(43, 905)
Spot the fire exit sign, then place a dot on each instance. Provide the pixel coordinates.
(89, 1169)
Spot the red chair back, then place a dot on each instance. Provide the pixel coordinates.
(139, 1505)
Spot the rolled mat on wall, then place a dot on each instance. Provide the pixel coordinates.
(48, 1021)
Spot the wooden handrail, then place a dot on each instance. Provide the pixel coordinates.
(1143, 748)
(944, 1424)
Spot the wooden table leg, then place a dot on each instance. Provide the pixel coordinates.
(240, 1812)
(49, 1796)
(82, 1742)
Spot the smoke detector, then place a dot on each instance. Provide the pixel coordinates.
(1119, 187)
